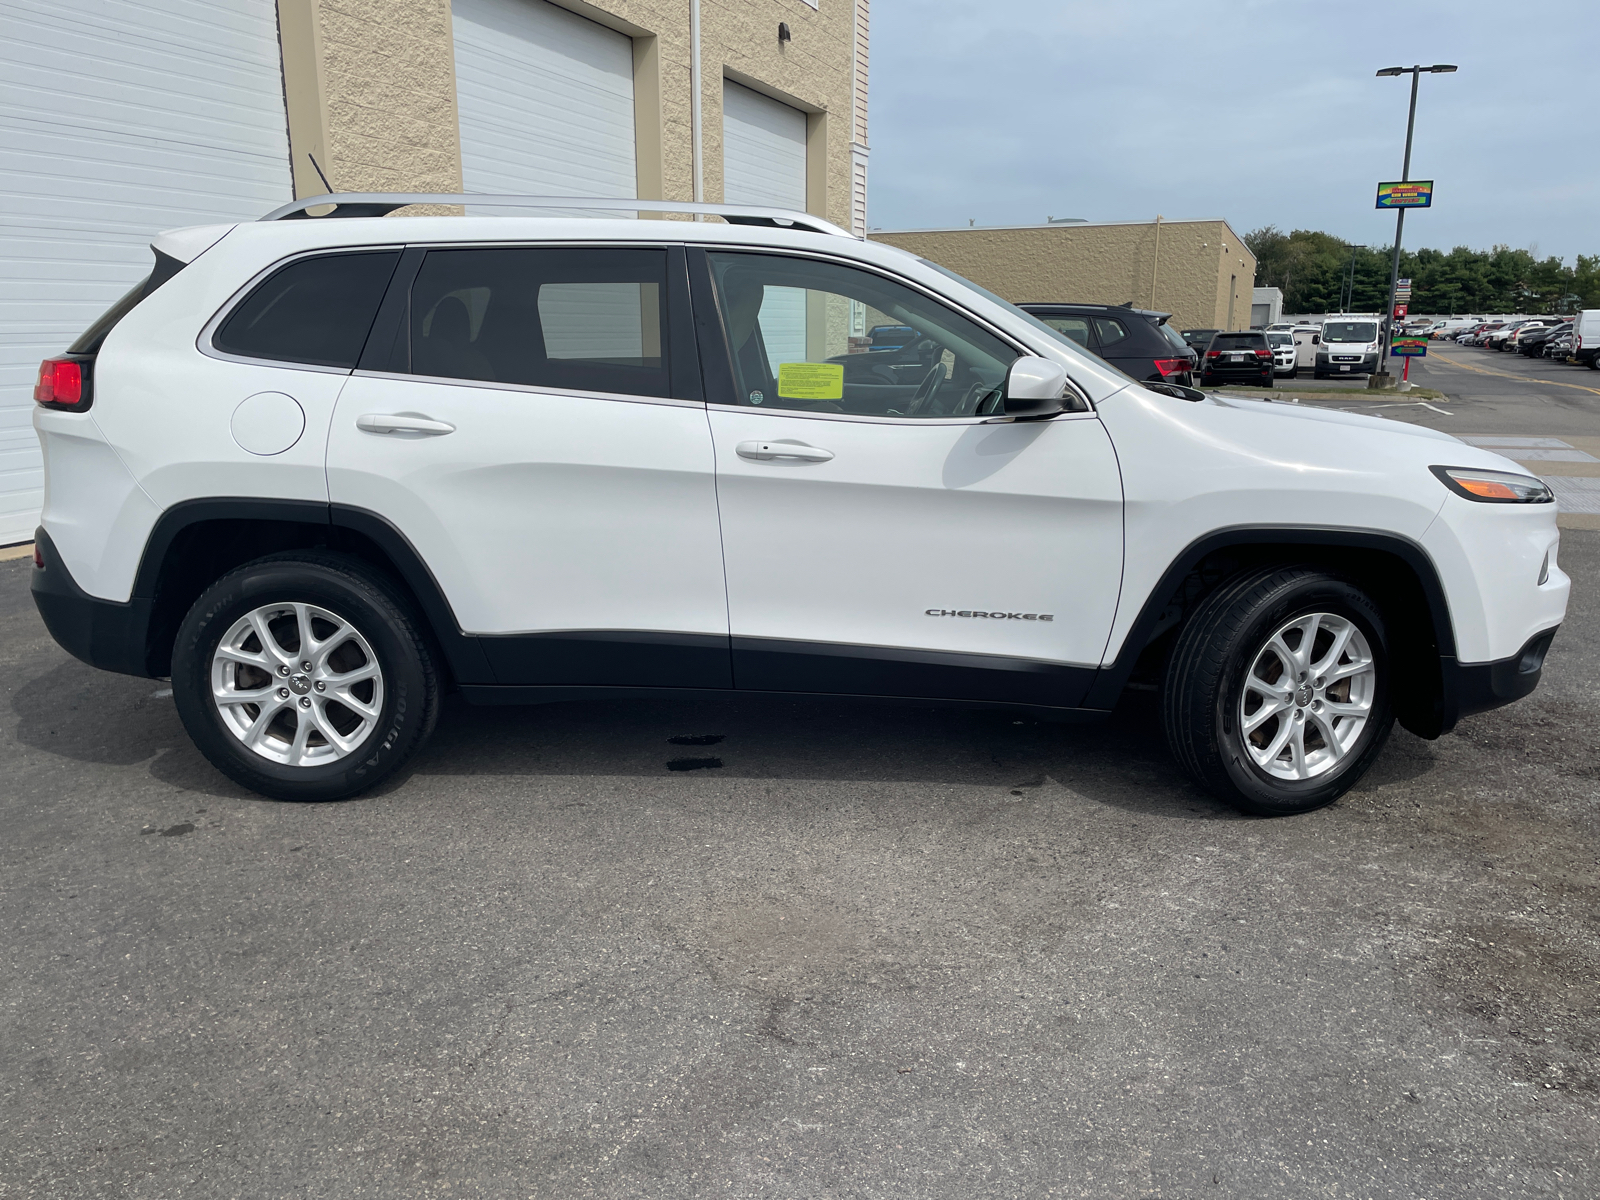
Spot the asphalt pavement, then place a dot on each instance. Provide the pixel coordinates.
(753, 948)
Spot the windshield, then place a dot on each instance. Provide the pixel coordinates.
(1026, 316)
(1280, 339)
(1350, 331)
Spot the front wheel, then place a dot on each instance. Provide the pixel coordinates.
(1277, 697)
(302, 676)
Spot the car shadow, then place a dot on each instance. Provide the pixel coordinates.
(89, 716)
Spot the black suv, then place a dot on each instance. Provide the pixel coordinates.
(1243, 357)
(1136, 341)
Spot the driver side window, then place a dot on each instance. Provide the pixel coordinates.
(815, 336)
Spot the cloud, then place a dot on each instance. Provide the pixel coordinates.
(1262, 112)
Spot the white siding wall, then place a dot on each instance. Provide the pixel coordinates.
(121, 119)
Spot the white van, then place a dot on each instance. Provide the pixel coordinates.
(1586, 337)
(1348, 345)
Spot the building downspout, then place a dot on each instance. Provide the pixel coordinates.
(697, 153)
(1155, 265)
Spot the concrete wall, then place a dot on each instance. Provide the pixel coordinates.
(370, 86)
(1187, 268)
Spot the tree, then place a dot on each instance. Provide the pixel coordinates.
(1321, 273)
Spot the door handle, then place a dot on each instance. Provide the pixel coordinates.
(402, 423)
(765, 451)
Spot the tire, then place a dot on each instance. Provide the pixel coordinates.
(1318, 375)
(1294, 373)
(1206, 702)
(309, 745)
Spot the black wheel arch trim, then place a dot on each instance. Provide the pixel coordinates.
(462, 652)
(1442, 714)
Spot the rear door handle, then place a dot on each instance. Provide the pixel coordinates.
(765, 451)
(402, 423)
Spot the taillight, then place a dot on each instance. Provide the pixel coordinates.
(1263, 353)
(63, 384)
(1213, 353)
(1172, 366)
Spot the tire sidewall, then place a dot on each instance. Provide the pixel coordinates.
(402, 719)
(1267, 793)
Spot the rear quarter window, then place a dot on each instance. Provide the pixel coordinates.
(316, 311)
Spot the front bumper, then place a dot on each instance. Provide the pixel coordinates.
(1478, 687)
(1347, 364)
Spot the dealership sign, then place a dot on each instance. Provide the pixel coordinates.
(1412, 194)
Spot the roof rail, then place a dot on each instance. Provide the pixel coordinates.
(380, 204)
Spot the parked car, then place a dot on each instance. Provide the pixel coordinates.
(1198, 339)
(1586, 338)
(891, 337)
(1477, 336)
(321, 471)
(1137, 341)
(1349, 345)
(1285, 353)
(1531, 340)
(1558, 346)
(1514, 341)
(1243, 356)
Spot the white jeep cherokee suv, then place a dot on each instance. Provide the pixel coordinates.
(319, 471)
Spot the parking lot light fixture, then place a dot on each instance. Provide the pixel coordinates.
(1416, 73)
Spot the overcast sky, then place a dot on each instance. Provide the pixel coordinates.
(1257, 111)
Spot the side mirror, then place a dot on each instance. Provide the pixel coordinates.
(1035, 388)
(1316, 339)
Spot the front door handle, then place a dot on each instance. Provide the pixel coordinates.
(402, 423)
(765, 451)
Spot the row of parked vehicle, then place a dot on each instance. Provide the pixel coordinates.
(1572, 339)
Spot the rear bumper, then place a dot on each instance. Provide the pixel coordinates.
(102, 633)
(1481, 686)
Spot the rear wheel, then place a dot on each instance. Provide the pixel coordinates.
(302, 676)
(1277, 697)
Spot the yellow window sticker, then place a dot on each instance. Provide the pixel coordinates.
(811, 381)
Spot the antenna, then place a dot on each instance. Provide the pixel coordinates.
(318, 170)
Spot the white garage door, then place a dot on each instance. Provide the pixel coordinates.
(545, 101)
(121, 120)
(764, 162)
(763, 150)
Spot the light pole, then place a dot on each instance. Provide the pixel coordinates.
(1400, 216)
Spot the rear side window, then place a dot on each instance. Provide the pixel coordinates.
(1076, 328)
(315, 310)
(1173, 337)
(581, 319)
(1113, 335)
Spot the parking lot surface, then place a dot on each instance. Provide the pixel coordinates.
(758, 948)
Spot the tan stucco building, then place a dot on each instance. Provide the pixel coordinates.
(404, 95)
(1200, 271)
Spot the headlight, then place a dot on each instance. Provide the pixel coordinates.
(1494, 487)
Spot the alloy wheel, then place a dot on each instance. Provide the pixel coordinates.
(1307, 695)
(297, 684)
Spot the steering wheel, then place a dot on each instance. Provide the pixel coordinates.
(926, 390)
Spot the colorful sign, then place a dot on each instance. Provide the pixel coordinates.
(1399, 311)
(811, 381)
(1417, 193)
(1405, 345)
